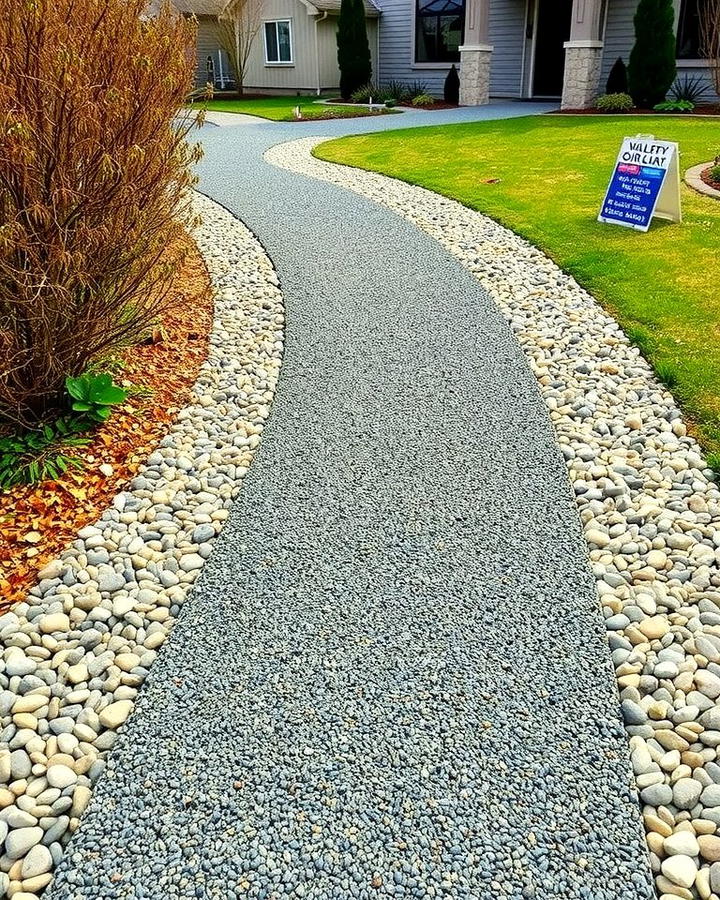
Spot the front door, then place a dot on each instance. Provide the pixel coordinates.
(552, 29)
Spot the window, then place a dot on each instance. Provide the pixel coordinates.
(439, 28)
(278, 44)
(688, 31)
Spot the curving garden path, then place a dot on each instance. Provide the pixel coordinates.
(392, 677)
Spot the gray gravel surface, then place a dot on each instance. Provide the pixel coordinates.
(392, 677)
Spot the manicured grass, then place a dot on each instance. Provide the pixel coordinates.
(663, 286)
(281, 109)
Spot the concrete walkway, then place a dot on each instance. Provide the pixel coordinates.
(392, 678)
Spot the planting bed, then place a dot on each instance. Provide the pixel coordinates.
(37, 522)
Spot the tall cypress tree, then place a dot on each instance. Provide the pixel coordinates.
(353, 47)
(652, 61)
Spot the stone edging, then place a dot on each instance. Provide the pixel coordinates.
(647, 501)
(693, 179)
(75, 654)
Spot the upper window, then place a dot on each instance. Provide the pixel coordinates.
(689, 32)
(439, 28)
(278, 42)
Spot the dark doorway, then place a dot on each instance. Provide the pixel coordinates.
(553, 29)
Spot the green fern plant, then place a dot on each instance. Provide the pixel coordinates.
(34, 456)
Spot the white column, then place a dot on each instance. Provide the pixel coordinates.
(583, 55)
(475, 55)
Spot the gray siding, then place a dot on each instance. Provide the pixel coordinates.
(619, 35)
(507, 36)
(208, 44)
(397, 47)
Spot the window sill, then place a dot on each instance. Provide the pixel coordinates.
(433, 65)
(279, 65)
(692, 63)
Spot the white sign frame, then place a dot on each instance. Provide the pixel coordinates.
(645, 149)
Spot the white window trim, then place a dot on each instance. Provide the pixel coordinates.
(284, 62)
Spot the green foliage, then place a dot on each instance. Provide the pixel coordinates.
(691, 87)
(423, 100)
(617, 82)
(652, 60)
(675, 106)
(451, 88)
(353, 49)
(405, 91)
(94, 395)
(714, 173)
(713, 461)
(667, 373)
(390, 103)
(399, 91)
(370, 90)
(614, 103)
(33, 456)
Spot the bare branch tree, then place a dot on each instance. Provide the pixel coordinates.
(238, 26)
(710, 38)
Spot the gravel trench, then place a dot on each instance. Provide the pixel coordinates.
(391, 678)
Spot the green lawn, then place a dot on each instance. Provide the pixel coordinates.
(281, 109)
(663, 286)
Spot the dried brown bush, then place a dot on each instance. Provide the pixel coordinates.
(710, 38)
(95, 169)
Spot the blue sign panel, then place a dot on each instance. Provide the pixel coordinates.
(636, 183)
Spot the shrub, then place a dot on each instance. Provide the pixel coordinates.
(94, 179)
(614, 103)
(33, 456)
(353, 49)
(379, 94)
(691, 88)
(674, 106)
(405, 92)
(423, 100)
(652, 60)
(451, 88)
(714, 174)
(617, 82)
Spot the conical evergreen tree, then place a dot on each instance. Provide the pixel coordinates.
(652, 69)
(451, 88)
(353, 48)
(617, 82)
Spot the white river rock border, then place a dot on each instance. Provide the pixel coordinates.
(647, 501)
(76, 652)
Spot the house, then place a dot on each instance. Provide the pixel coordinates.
(520, 49)
(294, 50)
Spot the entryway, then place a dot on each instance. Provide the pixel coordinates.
(548, 29)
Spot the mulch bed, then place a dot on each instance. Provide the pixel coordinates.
(705, 175)
(438, 104)
(710, 110)
(37, 523)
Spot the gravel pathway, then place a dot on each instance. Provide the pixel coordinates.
(76, 652)
(391, 678)
(650, 508)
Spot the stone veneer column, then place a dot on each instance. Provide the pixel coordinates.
(583, 55)
(583, 60)
(475, 55)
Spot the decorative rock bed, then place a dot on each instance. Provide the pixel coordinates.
(76, 653)
(648, 503)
